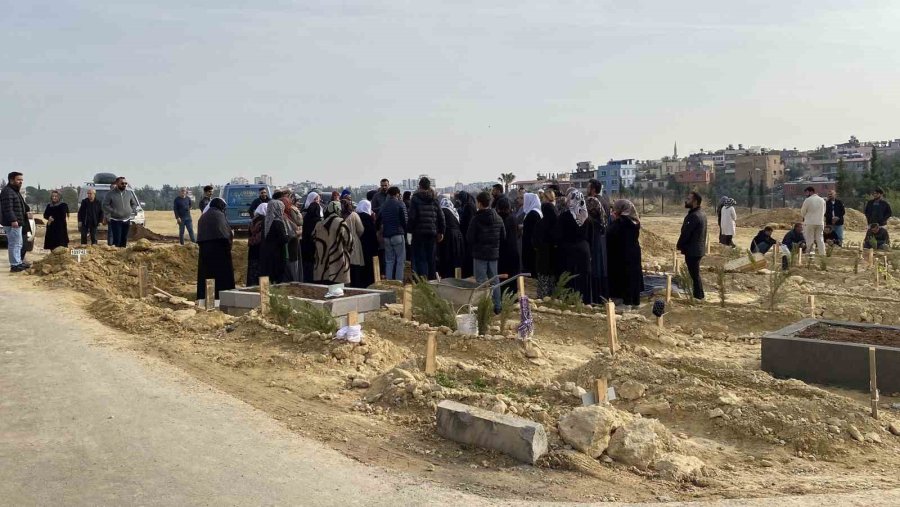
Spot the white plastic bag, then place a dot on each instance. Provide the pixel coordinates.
(352, 334)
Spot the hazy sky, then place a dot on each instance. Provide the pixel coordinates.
(346, 92)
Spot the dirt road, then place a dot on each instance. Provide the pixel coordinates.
(86, 421)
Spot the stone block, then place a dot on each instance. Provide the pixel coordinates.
(744, 265)
(520, 438)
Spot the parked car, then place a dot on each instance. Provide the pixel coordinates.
(29, 240)
(239, 198)
(102, 183)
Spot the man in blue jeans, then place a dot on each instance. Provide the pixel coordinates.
(426, 223)
(483, 237)
(14, 219)
(118, 206)
(182, 208)
(392, 219)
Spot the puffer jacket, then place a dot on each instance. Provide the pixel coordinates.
(13, 207)
(485, 234)
(392, 218)
(425, 216)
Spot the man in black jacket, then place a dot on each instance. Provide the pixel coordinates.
(14, 219)
(692, 242)
(834, 216)
(483, 237)
(426, 224)
(878, 210)
(90, 216)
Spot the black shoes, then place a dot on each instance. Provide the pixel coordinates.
(17, 269)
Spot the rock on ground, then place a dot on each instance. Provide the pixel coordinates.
(631, 390)
(639, 442)
(588, 429)
(520, 438)
(679, 468)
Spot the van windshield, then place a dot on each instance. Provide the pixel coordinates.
(241, 197)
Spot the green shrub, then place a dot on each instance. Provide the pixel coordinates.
(484, 313)
(301, 315)
(776, 282)
(429, 308)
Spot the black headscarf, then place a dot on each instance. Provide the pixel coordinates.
(213, 225)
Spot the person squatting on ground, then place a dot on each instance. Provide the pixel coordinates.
(813, 213)
(877, 236)
(119, 205)
(484, 236)
(56, 215)
(692, 241)
(14, 219)
(90, 216)
(214, 238)
(182, 208)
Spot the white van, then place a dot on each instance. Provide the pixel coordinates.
(102, 184)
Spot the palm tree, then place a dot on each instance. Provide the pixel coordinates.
(506, 179)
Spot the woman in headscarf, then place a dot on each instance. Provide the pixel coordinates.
(56, 214)
(727, 221)
(293, 222)
(574, 252)
(312, 214)
(626, 275)
(357, 258)
(333, 247)
(545, 246)
(214, 239)
(597, 224)
(273, 253)
(452, 250)
(365, 274)
(466, 213)
(509, 262)
(254, 243)
(533, 216)
(346, 203)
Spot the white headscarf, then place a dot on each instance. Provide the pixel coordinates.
(532, 203)
(577, 205)
(446, 203)
(310, 198)
(364, 206)
(262, 209)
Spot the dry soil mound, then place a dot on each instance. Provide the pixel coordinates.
(784, 218)
(653, 245)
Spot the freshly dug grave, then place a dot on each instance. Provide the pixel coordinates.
(653, 245)
(851, 334)
(785, 218)
(310, 292)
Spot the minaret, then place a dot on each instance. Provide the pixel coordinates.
(675, 153)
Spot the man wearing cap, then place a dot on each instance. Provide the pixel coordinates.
(813, 213)
(878, 210)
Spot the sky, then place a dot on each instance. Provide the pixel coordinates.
(346, 92)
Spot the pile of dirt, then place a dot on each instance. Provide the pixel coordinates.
(114, 271)
(136, 232)
(785, 218)
(653, 245)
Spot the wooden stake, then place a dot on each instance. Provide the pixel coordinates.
(263, 295)
(660, 323)
(407, 302)
(611, 321)
(431, 354)
(708, 244)
(871, 257)
(799, 257)
(776, 254)
(457, 273)
(877, 277)
(812, 306)
(353, 318)
(601, 388)
(668, 289)
(521, 284)
(142, 281)
(675, 261)
(210, 294)
(376, 268)
(873, 382)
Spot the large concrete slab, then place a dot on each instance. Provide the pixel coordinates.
(784, 355)
(520, 438)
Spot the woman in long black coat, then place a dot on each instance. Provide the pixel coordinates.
(574, 252)
(451, 251)
(273, 251)
(56, 214)
(312, 214)
(466, 212)
(214, 239)
(598, 220)
(545, 246)
(533, 217)
(509, 262)
(626, 275)
(364, 275)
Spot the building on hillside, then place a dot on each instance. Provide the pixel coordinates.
(642, 185)
(765, 166)
(854, 163)
(263, 179)
(794, 190)
(584, 172)
(669, 167)
(696, 177)
(617, 175)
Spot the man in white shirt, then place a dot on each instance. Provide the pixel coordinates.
(813, 213)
